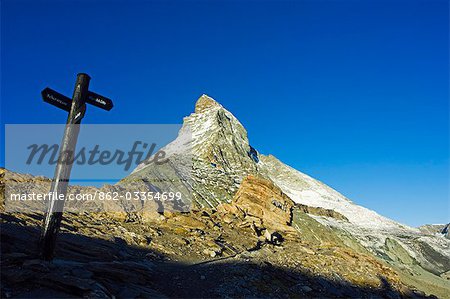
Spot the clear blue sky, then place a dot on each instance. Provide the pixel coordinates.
(354, 93)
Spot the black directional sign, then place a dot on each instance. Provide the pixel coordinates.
(55, 98)
(99, 101)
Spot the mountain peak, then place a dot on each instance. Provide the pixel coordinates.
(204, 103)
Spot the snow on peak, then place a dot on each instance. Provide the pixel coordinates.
(205, 103)
(204, 128)
(304, 189)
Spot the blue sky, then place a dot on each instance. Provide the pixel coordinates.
(354, 93)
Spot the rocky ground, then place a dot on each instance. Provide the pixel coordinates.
(98, 257)
(260, 245)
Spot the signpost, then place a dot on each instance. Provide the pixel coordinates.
(76, 108)
(55, 98)
(99, 101)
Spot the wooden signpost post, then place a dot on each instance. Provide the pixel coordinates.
(76, 108)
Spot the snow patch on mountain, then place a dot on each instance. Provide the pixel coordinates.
(303, 189)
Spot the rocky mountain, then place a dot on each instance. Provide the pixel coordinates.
(248, 226)
(223, 157)
(439, 229)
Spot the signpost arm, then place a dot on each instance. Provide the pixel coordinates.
(53, 216)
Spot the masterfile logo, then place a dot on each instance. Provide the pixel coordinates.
(103, 152)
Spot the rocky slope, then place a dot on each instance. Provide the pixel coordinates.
(436, 229)
(259, 245)
(223, 157)
(248, 226)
